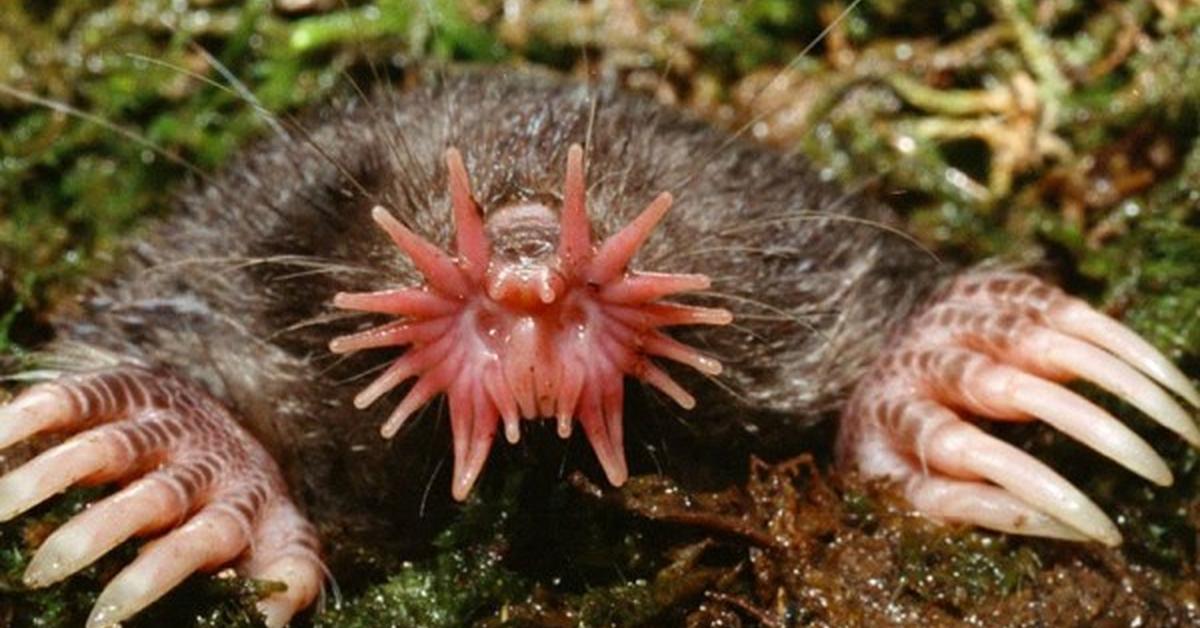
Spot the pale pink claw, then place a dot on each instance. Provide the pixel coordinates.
(987, 506)
(203, 463)
(518, 337)
(994, 345)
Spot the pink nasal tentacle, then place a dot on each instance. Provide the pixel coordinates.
(529, 332)
(437, 267)
(659, 379)
(502, 397)
(403, 302)
(609, 450)
(662, 345)
(429, 385)
(616, 252)
(529, 367)
(412, 363)
(473, 421)
(575, 241)
(671, 315)
(472, 242)
(571, 386)
(638, 288)
(394, 334)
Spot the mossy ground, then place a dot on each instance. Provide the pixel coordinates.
(1061, 132)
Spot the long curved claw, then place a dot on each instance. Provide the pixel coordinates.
(958, 448)
(212, 537)
(999, 346)
(37, 410)
(302, 576)
(1078, 319)
(1002, 392)
(984, 505)
(206, 463)
(55, 471)
(1077, 359)
(151, 503)
(286, 551)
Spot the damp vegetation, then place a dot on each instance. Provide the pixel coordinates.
(1058, 133)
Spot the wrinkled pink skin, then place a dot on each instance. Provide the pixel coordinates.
(535, 337)
(996, 345)
(553, 335)
(191, 473)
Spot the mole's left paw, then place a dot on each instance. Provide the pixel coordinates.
(994, 345)
(192, 475)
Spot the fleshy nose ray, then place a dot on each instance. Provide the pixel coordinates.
(192, 477)
(998, 345)
(514, 338)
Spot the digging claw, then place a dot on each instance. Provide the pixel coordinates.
(214, 493)
(999, 346)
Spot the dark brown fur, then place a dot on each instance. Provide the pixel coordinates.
(233, 290)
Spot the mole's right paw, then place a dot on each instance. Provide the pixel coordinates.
(999, 345)
(205, 484)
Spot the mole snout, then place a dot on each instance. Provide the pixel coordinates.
(529, 320)
(524, 272)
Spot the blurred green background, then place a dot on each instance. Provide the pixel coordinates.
(1061, 132)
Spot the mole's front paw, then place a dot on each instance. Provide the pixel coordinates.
(993, 346)
(193, 475)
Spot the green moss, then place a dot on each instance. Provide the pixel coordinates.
(448, 591)
(1154, 280)
(958, 570)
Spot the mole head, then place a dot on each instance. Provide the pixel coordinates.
(529, 319)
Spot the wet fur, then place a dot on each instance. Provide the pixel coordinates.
(233, 289)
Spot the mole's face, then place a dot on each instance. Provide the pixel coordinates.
(529, 320)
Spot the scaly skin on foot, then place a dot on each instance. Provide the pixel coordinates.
(998, 345)
(193, 478)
